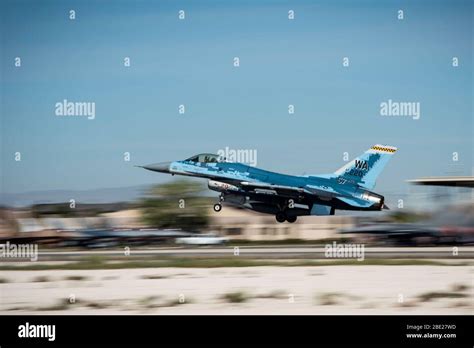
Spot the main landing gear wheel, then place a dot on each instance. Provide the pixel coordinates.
(217, 207)
(291, 219)
(280, 216)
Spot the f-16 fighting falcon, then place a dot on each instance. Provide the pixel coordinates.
(288, 196)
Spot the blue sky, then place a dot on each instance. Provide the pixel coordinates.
(190, 62)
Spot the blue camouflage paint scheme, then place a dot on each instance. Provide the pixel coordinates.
(348, 188)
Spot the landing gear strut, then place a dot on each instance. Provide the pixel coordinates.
(218, 206)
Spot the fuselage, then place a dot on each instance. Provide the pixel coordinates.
(288, 196)
(230, 172)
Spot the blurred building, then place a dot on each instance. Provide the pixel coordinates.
(231, 223)
(245, 224)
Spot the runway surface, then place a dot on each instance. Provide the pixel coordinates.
(271, 252)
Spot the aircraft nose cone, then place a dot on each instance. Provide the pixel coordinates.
(162, 167)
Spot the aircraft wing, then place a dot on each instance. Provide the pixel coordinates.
(280, 190)
(289, 191)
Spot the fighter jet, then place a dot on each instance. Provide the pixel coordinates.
(288, 196)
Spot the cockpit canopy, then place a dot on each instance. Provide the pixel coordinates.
(206, 158)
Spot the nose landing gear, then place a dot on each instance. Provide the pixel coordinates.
(218, 206)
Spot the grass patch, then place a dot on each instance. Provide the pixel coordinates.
(329, 298)
(236, 297)
(75, 277)
(97, 262)
(154, 276)
(460, 304)
(433, 295)
(332, 298)
(41, 279)
(65, 304)
(460, 287)
(276, 294)
(97, 305)
(20, 309)
(153, 302)
(148, 301)
(175, 302)
(407, 304)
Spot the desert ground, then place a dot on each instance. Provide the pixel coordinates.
(347, 289)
